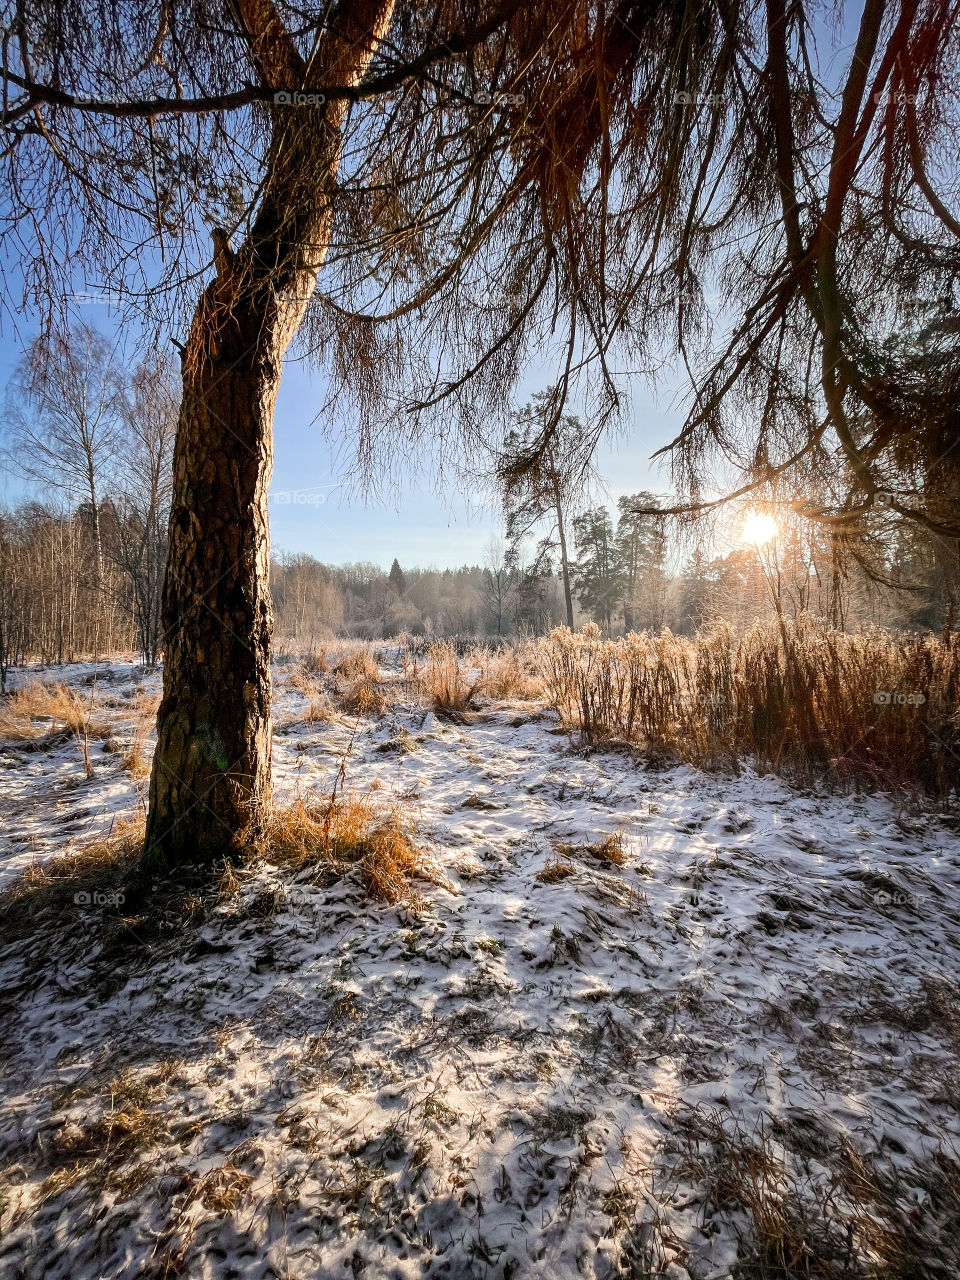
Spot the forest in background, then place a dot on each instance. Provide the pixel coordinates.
(60, 602)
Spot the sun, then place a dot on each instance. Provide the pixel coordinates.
(759, 528)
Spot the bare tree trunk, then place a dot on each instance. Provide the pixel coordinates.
(95, 518)
(211, 769)
(213, 738)
(564, 562)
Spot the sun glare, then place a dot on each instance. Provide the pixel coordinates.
(759, 528)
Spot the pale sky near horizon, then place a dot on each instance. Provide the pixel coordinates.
(418, 523)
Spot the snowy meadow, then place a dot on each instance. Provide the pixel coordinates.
(488, 994)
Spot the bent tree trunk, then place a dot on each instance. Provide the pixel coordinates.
(211, 769)
(213, 731)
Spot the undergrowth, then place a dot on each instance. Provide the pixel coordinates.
(338, 835)
(802, 699)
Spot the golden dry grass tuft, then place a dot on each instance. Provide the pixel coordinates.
(364, 697)
(608, 849)
(445, 683)
(146, 702)
(222, 1189)
(356, 684)
(508, 673)
(338, 835)
(555, 870)
(90, 877)
(314, 658)
(41, 709)
(357, 664)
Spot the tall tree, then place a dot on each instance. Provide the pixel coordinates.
(641, 544)
(599, 575)
(396, 578)
(496, 583)
(530, 578)
(544, 480)
(143, 494)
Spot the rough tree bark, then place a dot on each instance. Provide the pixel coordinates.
(211, 769)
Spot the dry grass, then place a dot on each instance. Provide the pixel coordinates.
(42, 709)
(146, 702)
(134, 758)
(357, 685)
(222, 1189)
(96, 1152)
(556, 869)
(609, 849)
(443, 681)
(117, 1136)
(314, 658)
(507, 673)
(357, 664)
(364, 698)
(352, 832)
(875, 708)
(339, 835)
(74, 882)
(302, 680)
(858, 1220)
(320, 710)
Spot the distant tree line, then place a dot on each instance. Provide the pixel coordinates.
(627, 573)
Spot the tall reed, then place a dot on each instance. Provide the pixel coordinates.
(799, 698)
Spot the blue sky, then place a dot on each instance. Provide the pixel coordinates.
(419, 524)
(315, 510)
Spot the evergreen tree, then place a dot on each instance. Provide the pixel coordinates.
(641, 546)
(696, 593)
(541, 473)
(599, 575)
(397, 580)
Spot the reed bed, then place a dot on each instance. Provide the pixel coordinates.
(798, 698)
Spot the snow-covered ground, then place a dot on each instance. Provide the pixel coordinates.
(582, 1075)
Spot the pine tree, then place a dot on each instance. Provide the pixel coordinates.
(641, 545)
(542, 477)
(599, 576)
(397, 580)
